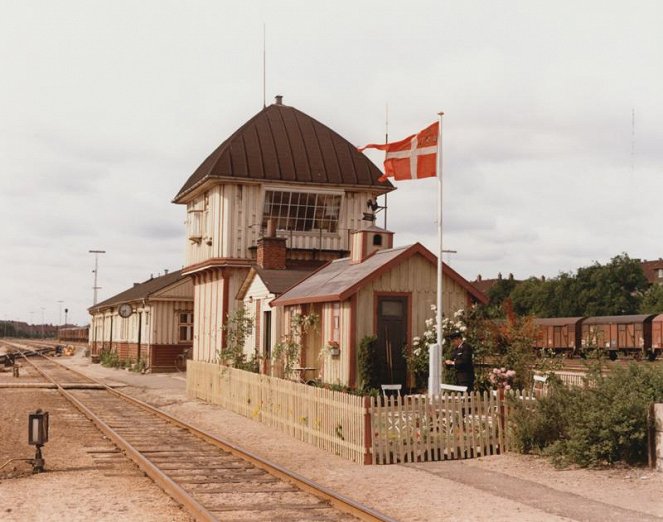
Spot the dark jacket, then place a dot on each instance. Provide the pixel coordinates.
(464, 365)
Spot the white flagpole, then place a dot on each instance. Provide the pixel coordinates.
(435, 366)
(440, 300)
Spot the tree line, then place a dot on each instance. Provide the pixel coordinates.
(618, 287)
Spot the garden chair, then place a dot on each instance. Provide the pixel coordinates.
(391, 389)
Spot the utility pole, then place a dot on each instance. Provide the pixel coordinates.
(42, 322)
(60, 319)
(96, 271)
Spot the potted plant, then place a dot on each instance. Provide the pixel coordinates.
(333, 348)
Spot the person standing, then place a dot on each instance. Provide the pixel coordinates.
(462, 361)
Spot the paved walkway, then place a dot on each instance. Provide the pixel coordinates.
(553, 501)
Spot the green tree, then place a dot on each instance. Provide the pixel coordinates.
(501, 291)
(652, 300)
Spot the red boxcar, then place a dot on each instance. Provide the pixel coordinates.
(625, 334)
(560, 334)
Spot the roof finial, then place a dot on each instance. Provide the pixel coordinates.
(279, 99)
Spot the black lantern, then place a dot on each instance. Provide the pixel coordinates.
(38, 436)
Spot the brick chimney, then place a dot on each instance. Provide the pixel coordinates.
(271, 249)
(368, 241)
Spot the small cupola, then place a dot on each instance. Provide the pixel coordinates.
(367, 241)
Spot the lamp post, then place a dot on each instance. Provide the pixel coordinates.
(42, 321)
(96, 271)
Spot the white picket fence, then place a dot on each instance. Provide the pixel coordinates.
(334, 421)
(451, 426)
(366, 430)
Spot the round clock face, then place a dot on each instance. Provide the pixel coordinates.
(125, 310)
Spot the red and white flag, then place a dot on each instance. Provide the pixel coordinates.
(411, 158)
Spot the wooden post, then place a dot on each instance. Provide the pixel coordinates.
(368, 435)
(501, 424)
(651, 436)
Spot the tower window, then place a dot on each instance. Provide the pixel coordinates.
(302, 211)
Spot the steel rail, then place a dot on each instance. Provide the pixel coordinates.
(337, 500)
(164, 482)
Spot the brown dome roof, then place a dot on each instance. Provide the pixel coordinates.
(282, 144)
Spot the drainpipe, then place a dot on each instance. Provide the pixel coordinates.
(140, 323)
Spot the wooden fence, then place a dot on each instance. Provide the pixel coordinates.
(334, 421)
(451, 426)
(362, 429)
(576, 379)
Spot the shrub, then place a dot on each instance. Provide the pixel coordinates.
(110, 359)
(366, 363)
(601, 424)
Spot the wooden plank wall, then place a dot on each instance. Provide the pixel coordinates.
(330, 420)
(228, 213)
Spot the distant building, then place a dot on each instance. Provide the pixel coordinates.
(151, 321)
(653, 271)
(485, 285)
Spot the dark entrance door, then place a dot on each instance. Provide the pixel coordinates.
(392, 338)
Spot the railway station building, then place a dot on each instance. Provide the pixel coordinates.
(282, 199)
(150, 322)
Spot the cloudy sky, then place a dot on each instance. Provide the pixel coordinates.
(106, 107)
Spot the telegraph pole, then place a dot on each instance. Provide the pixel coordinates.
(96, 271)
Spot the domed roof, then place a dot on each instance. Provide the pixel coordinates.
(282, 144)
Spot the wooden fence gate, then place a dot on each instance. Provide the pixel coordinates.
(451, 426)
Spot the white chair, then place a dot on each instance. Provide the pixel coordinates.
(391, 388)
(452, 388)
(540, 385)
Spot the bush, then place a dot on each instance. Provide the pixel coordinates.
(601, 424)
(109, 359)
(366, 363)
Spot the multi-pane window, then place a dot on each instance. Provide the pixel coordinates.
(302, 211)
(185, 327)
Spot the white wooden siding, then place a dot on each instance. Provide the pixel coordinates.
(234, 217)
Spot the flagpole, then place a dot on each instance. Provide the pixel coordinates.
(440, 300)
(435, 366)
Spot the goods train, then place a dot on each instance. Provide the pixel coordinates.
(634, 336)
(74, 334)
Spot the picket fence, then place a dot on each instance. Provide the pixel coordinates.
(334, 421)
(575, 379)
(366, 430)
(418, 428)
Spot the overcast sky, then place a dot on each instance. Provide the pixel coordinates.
(106, 108)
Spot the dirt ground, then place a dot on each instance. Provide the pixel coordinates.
(500, 488)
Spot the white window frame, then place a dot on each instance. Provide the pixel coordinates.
(292, 217)
(188, 324)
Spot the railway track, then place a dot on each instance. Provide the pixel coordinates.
(212, 479)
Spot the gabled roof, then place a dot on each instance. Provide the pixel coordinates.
(141, 290)
(340, 279)
(282, 144)
(276, 281)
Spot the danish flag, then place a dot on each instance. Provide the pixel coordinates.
(411, 158)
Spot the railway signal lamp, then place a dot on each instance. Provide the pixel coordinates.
(38, 436)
